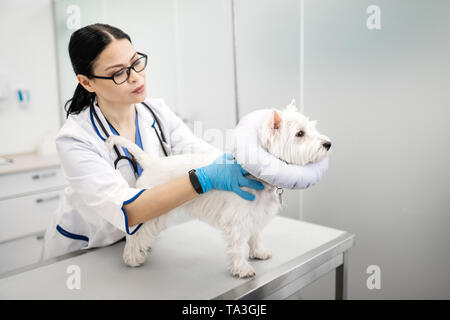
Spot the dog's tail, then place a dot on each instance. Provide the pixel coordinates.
(141, 157)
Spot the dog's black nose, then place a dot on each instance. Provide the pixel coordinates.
(327, 145)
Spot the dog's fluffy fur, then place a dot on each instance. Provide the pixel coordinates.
(240, 220)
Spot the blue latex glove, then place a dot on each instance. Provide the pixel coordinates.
(226, 174)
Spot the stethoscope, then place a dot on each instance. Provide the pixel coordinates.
(161, 138)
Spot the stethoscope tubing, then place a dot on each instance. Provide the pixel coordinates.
(119, 156)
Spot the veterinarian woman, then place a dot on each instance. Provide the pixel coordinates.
(100, 205)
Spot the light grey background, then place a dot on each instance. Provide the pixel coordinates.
(381, 96)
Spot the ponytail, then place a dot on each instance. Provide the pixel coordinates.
(81, 99)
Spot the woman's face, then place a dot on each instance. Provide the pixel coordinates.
(116, 56)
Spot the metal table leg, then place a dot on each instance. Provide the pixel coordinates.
(342, 278)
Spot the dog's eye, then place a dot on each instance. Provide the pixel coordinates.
(299, 134)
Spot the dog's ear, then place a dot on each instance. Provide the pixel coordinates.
(275, 120)
(293, 102)
(292, 106)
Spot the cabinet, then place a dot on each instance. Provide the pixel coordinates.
(28, 199)
(26, 215)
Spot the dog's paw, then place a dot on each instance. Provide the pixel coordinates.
(109, 142)
(244, 271)
(131, 261)
(135, 259)
(260, 254)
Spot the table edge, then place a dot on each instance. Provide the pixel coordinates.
(265, 284)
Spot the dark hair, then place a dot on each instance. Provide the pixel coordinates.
(85, 46)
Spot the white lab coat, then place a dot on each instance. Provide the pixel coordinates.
(90, 213)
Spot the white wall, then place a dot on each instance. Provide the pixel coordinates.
(268, 63)
(383, 98)
(205, 64)
(27, 60)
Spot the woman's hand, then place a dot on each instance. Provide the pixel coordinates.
(226, 174)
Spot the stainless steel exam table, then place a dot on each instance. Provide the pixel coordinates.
(188, 261)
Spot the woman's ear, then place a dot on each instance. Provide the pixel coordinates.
(85, 82)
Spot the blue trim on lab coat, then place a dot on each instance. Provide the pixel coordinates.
(70, 234)
(125, 213)
(93, 124)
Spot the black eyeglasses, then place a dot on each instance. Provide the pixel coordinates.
(123, 74)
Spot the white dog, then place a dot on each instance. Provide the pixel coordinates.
(287, 134)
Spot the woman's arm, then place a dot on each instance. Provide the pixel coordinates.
(159, 200)
(222, 174)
